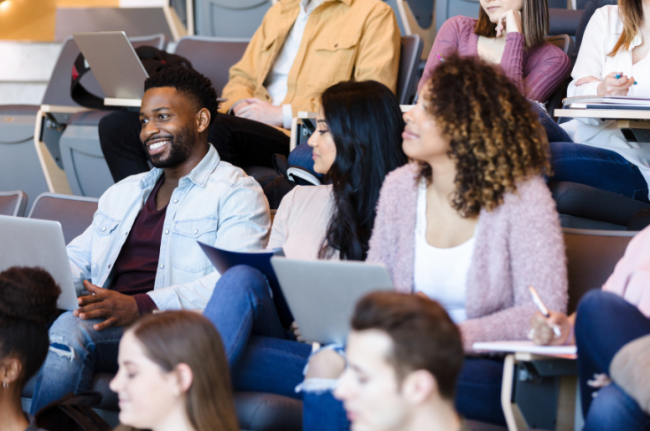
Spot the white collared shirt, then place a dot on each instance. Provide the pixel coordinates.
(602, 33)
(277, 79)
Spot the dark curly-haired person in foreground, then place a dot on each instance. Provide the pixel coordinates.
(141, 252)
(27, 305)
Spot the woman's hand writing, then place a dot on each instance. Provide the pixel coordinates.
(613, 86)
(542, 331)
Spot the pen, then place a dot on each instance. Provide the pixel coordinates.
(542, 308)
(617, 75)
(443, 60)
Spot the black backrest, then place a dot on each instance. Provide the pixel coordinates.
(589, 7)
(566, 44)
(407, 78)
(591, 258)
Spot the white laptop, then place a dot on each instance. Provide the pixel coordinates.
(322, 294)
(31, 242)
(116, 65)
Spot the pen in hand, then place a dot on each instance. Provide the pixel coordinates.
(542, 308)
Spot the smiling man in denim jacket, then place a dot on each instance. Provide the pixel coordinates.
(141, 254)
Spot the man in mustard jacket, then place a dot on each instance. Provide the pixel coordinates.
(301, 48)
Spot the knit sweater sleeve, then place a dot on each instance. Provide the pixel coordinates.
(537, 258)
(384, 228)
(512, 61)
(391, 243)
(549, 66)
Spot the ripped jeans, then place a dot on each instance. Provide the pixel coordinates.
(76, 352)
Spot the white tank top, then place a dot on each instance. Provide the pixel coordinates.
(441, 273)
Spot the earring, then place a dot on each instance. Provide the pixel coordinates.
(5, 385)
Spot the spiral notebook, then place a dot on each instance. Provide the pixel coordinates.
(607, 102)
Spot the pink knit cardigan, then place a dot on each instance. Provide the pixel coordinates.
(516, 245)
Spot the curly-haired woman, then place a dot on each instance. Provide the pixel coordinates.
(471, 222)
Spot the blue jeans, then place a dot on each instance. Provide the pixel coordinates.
(595, 167)
(76, 352)
(613, 409)
(260, 354)
(478, 397)
(599, 168)
(605, 323)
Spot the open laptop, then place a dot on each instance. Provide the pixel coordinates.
(322, 294)
(30, 242)
(116, 65)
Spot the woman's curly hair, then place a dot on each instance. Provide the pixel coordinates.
(496, 139)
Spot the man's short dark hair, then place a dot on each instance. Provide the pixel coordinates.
(188, 82)
(424, 336)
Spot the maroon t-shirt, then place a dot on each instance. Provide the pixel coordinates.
(135, 268)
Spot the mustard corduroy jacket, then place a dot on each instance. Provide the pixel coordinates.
(343, 40)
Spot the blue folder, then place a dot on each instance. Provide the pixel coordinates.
(223, 260)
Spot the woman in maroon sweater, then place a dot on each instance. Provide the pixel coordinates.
(511, 33)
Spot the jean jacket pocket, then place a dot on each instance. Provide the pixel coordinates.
(187, 255)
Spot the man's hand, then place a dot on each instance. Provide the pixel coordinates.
(258, 110)
(118, 309)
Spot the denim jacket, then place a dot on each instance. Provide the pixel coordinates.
(216, 204)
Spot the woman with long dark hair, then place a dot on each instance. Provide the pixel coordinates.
(164, 380)
(357, 143)
(27, 305)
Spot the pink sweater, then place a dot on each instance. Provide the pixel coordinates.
(631, 277)
(516, 245)
(537, 72)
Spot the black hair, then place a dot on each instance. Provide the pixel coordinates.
(366, 124)
(188, 82)
(27, 305)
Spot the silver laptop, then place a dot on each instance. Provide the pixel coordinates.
(322, 294)
(30, 242)
(113, 60)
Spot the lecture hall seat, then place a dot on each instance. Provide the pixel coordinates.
(13, 203)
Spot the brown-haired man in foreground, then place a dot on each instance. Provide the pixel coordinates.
(404, 355)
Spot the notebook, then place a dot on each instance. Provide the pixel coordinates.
(525, 347)
(607, 102)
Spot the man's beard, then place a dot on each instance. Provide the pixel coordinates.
(180, 148)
